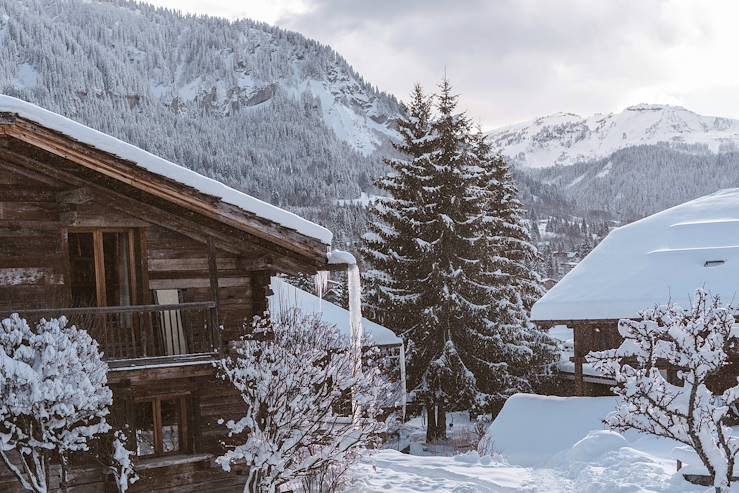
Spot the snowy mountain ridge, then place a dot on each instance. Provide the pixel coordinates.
(188, 63)
(567, 138)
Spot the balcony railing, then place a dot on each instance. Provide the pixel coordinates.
(144, 332)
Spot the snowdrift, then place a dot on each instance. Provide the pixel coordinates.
(531, 429)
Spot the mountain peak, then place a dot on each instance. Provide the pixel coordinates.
(655, 107)
(567, 138)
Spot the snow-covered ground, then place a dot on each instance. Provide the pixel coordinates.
(541, 444)
(461, 436)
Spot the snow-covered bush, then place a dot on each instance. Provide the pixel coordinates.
(55, 397)
(294, 375)
(122, 467)
(696, 342)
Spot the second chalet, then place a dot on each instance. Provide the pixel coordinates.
(163, 266)
(662, 258)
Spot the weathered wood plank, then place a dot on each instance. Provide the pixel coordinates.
(25, 276)
(203, 282)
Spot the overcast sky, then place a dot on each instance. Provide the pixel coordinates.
(512, 60)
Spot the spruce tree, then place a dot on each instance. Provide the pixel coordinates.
(520, 349)
(425, 258)
(390, 247)
(450, 260)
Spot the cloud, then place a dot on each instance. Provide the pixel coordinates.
(516, 59)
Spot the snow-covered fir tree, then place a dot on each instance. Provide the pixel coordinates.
(451, 265)
(511, 253)
(393, 247)
(510, 260)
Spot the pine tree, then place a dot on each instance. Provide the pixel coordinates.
(391, 247)
(446, 352)
(510, 246)
(519, 349)
(451, 265)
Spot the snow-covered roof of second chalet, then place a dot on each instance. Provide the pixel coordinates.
(162, 167)
(286, 296)
(663, 257)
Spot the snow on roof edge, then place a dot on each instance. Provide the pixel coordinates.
(285, 295)
(162, 167)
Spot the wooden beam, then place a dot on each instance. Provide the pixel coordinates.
(243, 244)
(117, 201)
(214, 291)
(75, 196)
(579, 380)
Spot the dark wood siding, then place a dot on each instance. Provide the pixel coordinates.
(32, 262)
(34, 273)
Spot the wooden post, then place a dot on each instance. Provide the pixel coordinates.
(579, 381)
(213, 274)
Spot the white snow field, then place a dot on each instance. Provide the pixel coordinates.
(540, 444)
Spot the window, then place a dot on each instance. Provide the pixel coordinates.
(161, 426)
(102, 268)
(714, 263)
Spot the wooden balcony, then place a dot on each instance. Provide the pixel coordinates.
(142, 335)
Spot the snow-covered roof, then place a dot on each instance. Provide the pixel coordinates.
(287, 296)
(661, 258)
(162, 167)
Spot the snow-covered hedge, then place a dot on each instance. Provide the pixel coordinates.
(696, 342)
(55, 396)
(294, 376)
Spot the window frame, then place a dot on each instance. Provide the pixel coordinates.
(99, 258)
(185, 440)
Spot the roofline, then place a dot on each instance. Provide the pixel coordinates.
(17, 126)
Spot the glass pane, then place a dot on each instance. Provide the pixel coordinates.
(144, 428)
(171, 425)
(117, 269)
(82, 263)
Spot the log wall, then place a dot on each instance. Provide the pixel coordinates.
(35, 216)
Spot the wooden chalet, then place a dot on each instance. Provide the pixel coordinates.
(163, 266)
(661, 258)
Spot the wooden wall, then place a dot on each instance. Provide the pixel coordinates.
(32, 258)
(597, 335)
(33, 271)
(178, 262)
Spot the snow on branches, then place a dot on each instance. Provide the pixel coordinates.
(695, 342)
(122, 467)
(296, 376)
(55, 397)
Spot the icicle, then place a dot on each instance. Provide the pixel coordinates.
(355, 319)
(403, 388)
(355, 311)
(320, 281)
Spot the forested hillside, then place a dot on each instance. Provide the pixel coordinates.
(638, 181)
(264, 110)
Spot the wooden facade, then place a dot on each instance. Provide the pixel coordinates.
(601, 334)
(162, 275)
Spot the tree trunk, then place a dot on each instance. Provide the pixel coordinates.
(441, 421)
(430, 422)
